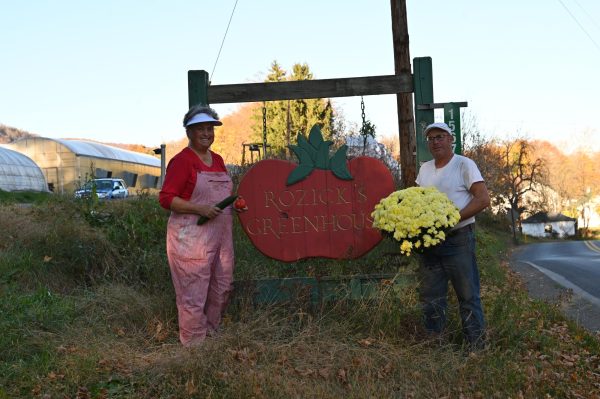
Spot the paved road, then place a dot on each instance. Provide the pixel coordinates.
(550, 269)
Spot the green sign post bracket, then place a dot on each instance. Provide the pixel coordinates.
(423, 94)
(197, 87)
(424, 108)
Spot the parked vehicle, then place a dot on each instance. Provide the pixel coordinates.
(105, 189)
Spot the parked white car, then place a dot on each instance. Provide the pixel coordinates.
(105, 189)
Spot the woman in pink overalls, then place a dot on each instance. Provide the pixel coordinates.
(200, 256)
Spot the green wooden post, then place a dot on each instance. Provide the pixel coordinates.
(452, 119)
(197, 87)
(423, 92)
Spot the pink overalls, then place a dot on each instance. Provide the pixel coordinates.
(201, 260)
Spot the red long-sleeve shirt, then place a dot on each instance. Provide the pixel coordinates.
(180, 178)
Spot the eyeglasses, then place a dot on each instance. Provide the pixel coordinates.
(439, 137)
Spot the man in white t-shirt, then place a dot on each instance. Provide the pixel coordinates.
(454, 259)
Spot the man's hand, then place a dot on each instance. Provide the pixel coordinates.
(480, 201)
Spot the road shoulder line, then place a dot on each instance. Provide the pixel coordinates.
(565, 283)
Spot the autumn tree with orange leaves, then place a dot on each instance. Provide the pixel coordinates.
(512, 171)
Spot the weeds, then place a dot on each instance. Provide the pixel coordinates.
(88, 311)
(23, 197)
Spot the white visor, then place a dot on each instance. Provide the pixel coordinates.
(203, 118)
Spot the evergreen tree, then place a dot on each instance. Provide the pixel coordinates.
(287, 118)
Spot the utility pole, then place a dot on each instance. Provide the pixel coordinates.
(162, 151)
(406, 123)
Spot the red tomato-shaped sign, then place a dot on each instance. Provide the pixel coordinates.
(319, 216)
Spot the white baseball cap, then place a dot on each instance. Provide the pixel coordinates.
(203, 118)
(438, 125)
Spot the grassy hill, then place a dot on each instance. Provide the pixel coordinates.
(88, 311)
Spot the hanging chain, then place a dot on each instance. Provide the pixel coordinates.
(367, 129)
(264, 115)
(362, 113)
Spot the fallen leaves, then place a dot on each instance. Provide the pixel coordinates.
(158, 330)
(190, 387)
(52, 376)
(387, 369)
(114, 366)
(563, 366)
(342, 376)
(243, 355)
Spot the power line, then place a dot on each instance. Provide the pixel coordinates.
(581, 26)
(223, 41)
(588, 14)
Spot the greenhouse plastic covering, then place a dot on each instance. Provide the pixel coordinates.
(98, 150)
(19, 173)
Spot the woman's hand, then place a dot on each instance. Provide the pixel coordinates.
(209, 211)
(240, 205)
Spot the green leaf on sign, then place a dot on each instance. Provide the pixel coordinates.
(339, 165)
(304, 157)
(322, 159)
(312, 151)
(315, 137)
(300, 173)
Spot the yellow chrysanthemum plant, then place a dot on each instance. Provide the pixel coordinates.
(416, 217)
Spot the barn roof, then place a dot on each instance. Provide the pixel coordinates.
(97, 150)
(545, 217)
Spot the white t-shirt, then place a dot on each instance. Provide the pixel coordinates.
(454, 179)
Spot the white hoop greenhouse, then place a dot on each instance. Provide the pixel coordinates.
(19, 173)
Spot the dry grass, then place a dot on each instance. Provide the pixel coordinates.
(86, 332)
(64, 245)
(356, 350)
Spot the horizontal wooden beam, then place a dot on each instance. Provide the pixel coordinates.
(321, 88)
(440, 105)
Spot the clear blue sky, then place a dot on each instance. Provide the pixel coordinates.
(116, 71)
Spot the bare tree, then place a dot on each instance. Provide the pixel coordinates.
(520, 173)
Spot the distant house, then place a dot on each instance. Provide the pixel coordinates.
(544, 224)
